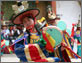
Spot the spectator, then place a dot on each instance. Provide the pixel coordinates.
(11, 35)
(15, 32)
(5, 31)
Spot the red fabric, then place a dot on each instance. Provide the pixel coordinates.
(2, 50)
(2, 40)
(41, 60)
(73, 24)
(2, 44)
(72, 34)
(11, 48)
(6, 51)
(70, 50)
(78, 42)
(72, 39)
(34, 53)
(65, 56)
(48, 45)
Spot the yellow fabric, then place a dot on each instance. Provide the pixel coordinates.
(51, 40)
(3, 42)
(21, 35)
(8, 48)
(68, 52)
(34, 38)
(77, 32)
(26, 49)
(55, 55)
(55, 51)
(50, 59)
(67, 41)
(66, 49)
(40, 52)
(27, 54)
(58, 53)
(30, 61)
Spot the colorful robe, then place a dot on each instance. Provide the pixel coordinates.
(32, 52)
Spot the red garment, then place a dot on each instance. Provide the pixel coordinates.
(6, 51)
(41, 60)
(72, 34)
(2, 43)
(65, 56)
(36, 55)
(48, 45)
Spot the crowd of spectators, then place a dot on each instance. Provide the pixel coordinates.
(10, 33)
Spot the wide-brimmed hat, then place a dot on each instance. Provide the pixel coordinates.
(29, 12)
(53, 20)
(22, 10)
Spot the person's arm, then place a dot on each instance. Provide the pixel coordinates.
(12, 32)
(8, 32)
(18, 32)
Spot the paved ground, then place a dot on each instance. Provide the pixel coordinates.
(13, 58)
(75, 60)
(9, 58)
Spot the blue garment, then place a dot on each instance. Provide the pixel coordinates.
(19, 46)
(79, 50)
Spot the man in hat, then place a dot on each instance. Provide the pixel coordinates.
(52, 18)
(28, 19)
(30, 36)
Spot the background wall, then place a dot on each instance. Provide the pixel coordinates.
(7, 8)
(70, 11)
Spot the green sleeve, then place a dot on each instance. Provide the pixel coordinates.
(41, 41)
